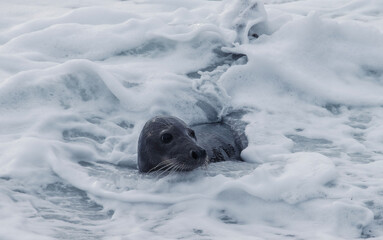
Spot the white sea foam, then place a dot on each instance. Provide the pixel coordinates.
(79, 80)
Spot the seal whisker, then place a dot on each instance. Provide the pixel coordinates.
(169, 167)
(183, 167)
(166, 169)
(176, 167)
(163, 165)
(179, 167)
(160, 174)
(155, 167)
(172, 170)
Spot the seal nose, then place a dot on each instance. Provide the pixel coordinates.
(198, 154)
(194, 154)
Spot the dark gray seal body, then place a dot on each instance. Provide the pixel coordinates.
(168, 143)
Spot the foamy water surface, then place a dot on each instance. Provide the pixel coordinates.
(79, 79)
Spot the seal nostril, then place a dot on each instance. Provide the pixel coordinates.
(193, 154)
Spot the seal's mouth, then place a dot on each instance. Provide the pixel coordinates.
(190, 165)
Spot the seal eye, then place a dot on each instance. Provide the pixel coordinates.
(166, 138)
(192, 134)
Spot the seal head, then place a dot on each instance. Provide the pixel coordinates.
(167, 143)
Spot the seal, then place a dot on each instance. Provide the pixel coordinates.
(168, 143)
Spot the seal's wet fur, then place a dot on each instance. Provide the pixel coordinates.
(168, 143)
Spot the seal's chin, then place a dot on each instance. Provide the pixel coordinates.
(204, 162)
